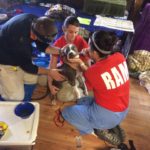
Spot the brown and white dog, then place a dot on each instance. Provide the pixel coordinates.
(73, 87)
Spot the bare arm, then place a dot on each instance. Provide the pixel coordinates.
(52, 50)
(54, 74)
(53, 65)
(83, 66)
(85, 53)
(43, 71)
(53, 62)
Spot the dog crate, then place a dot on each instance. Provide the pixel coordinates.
(105, 7)
(21, 133)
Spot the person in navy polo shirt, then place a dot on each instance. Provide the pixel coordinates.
(18, 75)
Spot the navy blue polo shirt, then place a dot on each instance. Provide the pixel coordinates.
(15, 43)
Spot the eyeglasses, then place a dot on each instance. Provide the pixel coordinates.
(45, 39)
(50, 37)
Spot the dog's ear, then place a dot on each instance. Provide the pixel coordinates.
(63, 51)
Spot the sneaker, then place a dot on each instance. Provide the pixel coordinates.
(113, 136)
(119, 132)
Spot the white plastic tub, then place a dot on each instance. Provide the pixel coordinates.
(21, 132)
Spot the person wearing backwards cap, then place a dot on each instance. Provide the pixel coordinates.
(18, 76)
(108, 78)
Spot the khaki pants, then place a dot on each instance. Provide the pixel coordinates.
(12, 80)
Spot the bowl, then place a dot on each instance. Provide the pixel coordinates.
(24, 110)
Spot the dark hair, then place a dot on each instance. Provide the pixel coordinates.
(44, 28)
(71, 20)
(103, 42)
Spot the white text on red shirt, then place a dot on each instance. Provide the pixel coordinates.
(119, 79)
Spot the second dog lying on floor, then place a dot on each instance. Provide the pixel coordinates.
(73, 87)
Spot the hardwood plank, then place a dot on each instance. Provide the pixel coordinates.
(136, 125)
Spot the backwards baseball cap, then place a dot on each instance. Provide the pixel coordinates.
(44, 28)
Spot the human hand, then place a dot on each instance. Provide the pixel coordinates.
(53, 89)
(84, 52)
(78, 64)
(77, 61)
(54, 74)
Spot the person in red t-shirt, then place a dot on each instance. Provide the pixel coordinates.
(70, 28)
(108, 78)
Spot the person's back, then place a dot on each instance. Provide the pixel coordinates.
(110, 82)
(15, 38)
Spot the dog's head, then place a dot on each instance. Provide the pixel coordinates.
(69, 51)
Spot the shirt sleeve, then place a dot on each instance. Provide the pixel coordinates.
(25, 61)
(30, 68)
(41, 46)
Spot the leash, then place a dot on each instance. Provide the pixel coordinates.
(58, 118)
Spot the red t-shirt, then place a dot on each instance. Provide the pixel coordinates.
(79, 42)
(109, 80)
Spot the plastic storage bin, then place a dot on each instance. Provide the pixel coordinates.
(21, 133)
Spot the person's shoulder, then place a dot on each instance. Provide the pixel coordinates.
(81, 42)
(23, 17)
(79, 37)
(28, 15)
(59, 40)
(119, 54)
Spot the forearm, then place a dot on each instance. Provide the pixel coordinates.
(83, 66)
(51, 76)
(52, 50)
(50, 80)
(43, 71)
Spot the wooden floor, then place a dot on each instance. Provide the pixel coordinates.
(136, 126)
